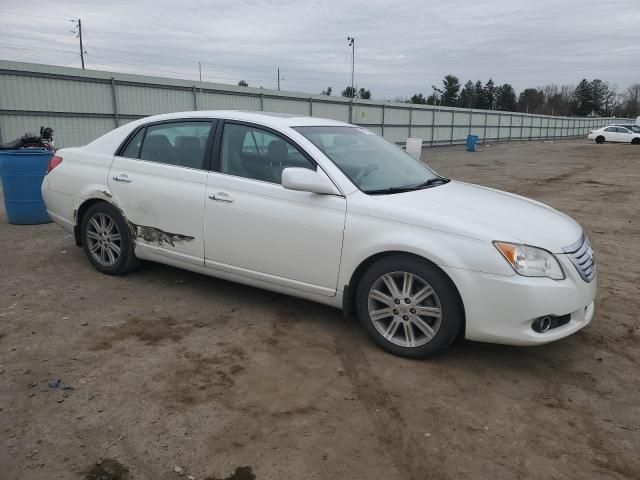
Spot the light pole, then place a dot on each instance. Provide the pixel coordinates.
(352, 44)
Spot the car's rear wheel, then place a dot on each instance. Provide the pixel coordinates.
(106, 239)
(408, 307)
(635, 141)
(600, 139)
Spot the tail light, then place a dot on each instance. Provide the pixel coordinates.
(54, 162)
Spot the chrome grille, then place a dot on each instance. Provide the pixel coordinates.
(582, 257)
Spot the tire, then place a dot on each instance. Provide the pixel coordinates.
(635, 141)
(106, 240)
(397, 326)
(600, 139)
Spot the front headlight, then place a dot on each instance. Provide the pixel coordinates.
(531, 261)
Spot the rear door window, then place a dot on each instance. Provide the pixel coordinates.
(133, 147)
(176, 143)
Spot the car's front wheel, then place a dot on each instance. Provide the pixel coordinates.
(635, 141)
(600, 139)
(106, 239)
(409, 307)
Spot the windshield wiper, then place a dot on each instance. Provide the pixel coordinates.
(432, 182)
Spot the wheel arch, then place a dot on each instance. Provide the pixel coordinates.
(349, 291)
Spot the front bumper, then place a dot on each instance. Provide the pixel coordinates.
(500, 309)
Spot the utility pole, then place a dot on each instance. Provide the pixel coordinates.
(352, 44)
(278, 79)
(200, 70)
(79, 35)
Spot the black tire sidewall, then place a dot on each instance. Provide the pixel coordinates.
(599, 139)
(126, 244)
(452, 312)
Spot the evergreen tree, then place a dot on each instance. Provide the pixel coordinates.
(451, 86)
(349, 92)
(466, 98)
(418, 98)
(505, 98)
(480, 96)
(583, 99)
(490, 94)
(364, 94)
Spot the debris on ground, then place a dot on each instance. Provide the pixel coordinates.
(55, 383)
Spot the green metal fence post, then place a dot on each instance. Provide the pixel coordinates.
(114, 98)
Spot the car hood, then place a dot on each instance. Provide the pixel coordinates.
(477, 212)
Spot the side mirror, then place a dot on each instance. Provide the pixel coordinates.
(305, 180)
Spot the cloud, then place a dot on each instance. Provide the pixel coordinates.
(401, 47)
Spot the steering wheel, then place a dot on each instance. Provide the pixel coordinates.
(366, 172)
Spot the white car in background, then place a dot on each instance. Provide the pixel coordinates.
(615, 133)
(330, 212)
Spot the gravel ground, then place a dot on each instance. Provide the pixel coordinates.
(172, 374)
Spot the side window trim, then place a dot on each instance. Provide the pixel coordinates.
(217, 147)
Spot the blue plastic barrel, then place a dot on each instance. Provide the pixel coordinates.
(472, 140)
(22, 174)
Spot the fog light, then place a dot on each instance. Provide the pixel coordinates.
(542, 324)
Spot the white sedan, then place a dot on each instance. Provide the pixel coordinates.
(615, 133)
(330, 212)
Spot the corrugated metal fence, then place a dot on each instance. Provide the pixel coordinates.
(81, 105)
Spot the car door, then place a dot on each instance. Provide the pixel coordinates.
(624, 135)
(158, 180)
(611, 134)
(256, 228)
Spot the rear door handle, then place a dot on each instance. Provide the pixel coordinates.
(122, 178)
(221, 197)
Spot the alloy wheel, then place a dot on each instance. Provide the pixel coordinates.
(104, 239)
(404, 309)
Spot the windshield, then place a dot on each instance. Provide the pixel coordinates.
(372, 163)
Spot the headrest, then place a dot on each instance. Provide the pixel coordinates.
(156, 141)
(184, 142)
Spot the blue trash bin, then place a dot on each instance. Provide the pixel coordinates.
(472, 140)
(22, 172)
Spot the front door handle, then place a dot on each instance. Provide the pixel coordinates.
(122, 178)
(221, 197)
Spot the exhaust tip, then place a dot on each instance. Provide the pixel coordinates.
(542, 324)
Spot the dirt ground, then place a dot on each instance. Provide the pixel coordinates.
(164, 370)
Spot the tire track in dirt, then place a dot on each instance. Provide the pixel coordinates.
(390, 426)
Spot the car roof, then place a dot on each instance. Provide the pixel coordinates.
(264, 118)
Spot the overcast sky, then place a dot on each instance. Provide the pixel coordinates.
(401, 47)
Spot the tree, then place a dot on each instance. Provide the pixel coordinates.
(349, 92)
(490, 93)
(558, 100)
(583, 99)
(480, 96)
(531, 100)
(599, 93)
(632, 97)
(327, 92)
(451, 86)
(506, 98)
(418, 98)
(364, 94)
(467, 97)
(243, 83)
